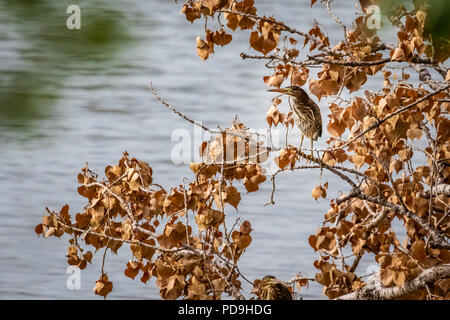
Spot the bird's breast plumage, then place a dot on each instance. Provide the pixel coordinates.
(309, 119)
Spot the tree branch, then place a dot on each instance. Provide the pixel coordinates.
(374, 290)
(403, 109)
(437, 239)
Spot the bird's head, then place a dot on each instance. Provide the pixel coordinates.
(294, 91)
(268, 279)
(262, 284)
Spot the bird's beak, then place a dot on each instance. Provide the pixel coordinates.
(280, 90)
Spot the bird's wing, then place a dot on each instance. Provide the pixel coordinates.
(317, 116)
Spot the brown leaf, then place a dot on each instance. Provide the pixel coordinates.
(387, 277)
(312, 240)
(233, 21)
(204, 48)
(246, 227)
(88, 256)
(64, 214)
(214, 5)
(398, 55)
(418, 250)
(318, 192)
(264, 43)
(222, 38)
(250, 185)
(335, 128)
(132, 270)
(358, 160)
(50, 232)
(299, 78)
(232, 196)
(39, 229)
(405, 154)
(399, 278)
(396, 165)
(273, 116)
(414, 132)
(275, 80)
(103, 286)
(385, 261)
(356, 81)
(242, 240)
(191, 13)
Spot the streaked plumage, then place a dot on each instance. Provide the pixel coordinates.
(274, 289)
(307, 112)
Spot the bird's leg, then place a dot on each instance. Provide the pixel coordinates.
(301, 143)
(312, 155)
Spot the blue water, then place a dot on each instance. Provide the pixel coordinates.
(103, 109)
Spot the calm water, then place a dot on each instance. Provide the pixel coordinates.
(103, 108)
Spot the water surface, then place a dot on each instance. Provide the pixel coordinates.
(93, 107)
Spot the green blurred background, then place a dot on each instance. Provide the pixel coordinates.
(53, 53)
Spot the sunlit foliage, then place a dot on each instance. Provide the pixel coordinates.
(373, 148)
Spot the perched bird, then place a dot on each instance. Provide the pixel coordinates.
(271, 288)
(309, 119)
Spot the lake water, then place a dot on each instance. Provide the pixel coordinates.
(92, 111)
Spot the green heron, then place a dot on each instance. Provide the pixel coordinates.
(309, 119)
(271, 288)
